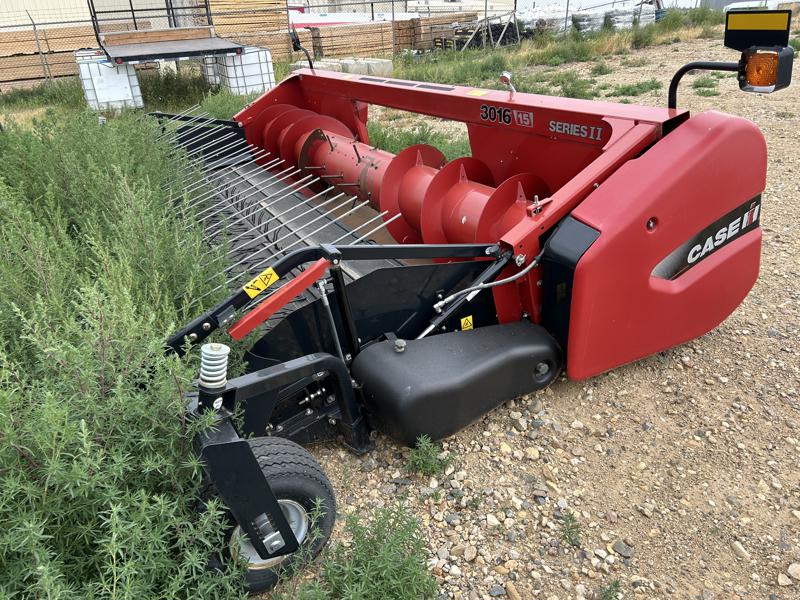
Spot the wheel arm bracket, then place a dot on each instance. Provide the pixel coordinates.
(233, 469)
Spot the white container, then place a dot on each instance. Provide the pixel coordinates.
(107, 86)
(246, 73)
(210, 70)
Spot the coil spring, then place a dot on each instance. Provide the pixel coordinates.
(214, 365)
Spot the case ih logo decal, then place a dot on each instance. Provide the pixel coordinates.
(709, 240)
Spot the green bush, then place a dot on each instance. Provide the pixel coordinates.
(673, 20)
(61, 92)
(223, 104)
(98, 479)
(385, 559)
(702, 16)
(570, 530)
(424, 458)
(705, 82)
(574, 86)
(602, 68)
(642, 36)
(636, 89)
(396, 139)
(172, 92)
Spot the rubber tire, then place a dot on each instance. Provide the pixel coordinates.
(293, 474)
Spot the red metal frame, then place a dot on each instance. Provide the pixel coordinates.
(279, 299)
(534, 160)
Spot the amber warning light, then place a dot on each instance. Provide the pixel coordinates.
(765, 70)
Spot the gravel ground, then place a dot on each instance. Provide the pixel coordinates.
(681, 469)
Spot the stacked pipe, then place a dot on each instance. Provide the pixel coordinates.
(437, 203)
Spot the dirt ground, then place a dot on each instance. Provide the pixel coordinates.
(683, 470)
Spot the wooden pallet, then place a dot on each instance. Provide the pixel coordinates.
(423, 27)
(147, 36)
(55, 39)
(277, 42)
(362, 40)
(403, 35)
(249, 15)
(20, 68)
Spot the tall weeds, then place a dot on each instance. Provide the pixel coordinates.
(97, 476)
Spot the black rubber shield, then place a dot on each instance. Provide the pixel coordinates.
(441, 384)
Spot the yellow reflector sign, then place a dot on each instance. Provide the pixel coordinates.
(260, 282)
(762, 21)
(757, 28)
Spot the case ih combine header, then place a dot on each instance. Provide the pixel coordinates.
(410, 295)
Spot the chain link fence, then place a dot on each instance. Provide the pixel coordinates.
(38, 38)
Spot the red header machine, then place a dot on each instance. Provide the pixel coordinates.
(410, 295)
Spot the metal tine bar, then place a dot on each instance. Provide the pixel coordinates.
(211, 130)
(228, 282)
(271, 195)
(237, 146)
(194, 163)
(283, 223)
(177, 117)
(280, 239)
(236, 154)
(229, 183)
(259, 187)
(261, 153)
(224, 189)
(364, 224)
(199, 149)
(187, 126)
(226, 203)
(174, 132)
(378, 228)
(263, 205)
(197, 161)
(241, 213)
(183, 113)
(195, 157)
(316, 231)
(305, 202)
(302, 239)
(254, 189)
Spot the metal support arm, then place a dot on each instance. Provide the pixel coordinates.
(672, 97)
(233, 469)
(259, 391)
(222, 314)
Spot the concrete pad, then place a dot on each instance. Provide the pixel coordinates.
(380, 67)
(322, 64)
(355, 65)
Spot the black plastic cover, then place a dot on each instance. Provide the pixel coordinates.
(563, 250)
(439, 385)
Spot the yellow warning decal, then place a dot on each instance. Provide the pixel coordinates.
(466, 323)
(478, 92)
(260, 282)
(759, 21)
